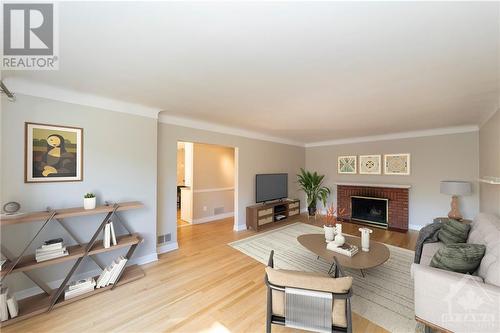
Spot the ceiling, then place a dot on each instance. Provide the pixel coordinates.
(305, 72)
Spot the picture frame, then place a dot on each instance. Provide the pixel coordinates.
(370, 164)
(347, 164)
(397, 164)
(53, 153)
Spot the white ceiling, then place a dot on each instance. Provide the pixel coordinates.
(305, 72)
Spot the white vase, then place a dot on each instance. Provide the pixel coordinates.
(365, 238)
(339, 238)
(329, 233)
(89, 203)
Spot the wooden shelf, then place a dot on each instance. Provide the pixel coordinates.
(76, 251)
(68, 212)
(34, 305)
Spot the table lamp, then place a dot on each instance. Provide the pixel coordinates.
(455, 188)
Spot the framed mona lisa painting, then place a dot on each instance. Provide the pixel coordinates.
(53, 153)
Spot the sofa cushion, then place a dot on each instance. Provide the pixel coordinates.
(453, 231)
(460, 258)
(428, 251)
(485, 229)
(307, 280)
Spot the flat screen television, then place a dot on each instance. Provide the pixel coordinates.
(271, 186)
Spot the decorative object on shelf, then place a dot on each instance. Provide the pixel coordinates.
(365, 238)
(490, 180)
(455, 188)
(51, 249)
(330, 221)
(80, 287)
(311, 184)
(370, 164)
(397, 164)
(53, 153)
(89, 201)
(339, 238)
(11, 208)
(347, 164)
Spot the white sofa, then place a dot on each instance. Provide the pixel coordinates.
(459, 302)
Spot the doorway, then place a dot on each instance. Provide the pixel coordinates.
(206, 183)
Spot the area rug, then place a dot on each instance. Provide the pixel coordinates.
(384, 296)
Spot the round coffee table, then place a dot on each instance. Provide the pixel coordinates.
(378, 254)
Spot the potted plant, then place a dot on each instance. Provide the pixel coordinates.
(311, 184)
(89, 201)
(329, 226)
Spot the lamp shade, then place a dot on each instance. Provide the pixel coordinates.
(455, 187)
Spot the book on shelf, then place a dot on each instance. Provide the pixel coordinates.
(345, 249)
(77, 289)
(109, 235)
(51, 249)
(4, 312)
(112, 231)
(51, 244)
(111, 273)
(2, 262)
(12, 306)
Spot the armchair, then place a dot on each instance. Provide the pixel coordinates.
(311, 301)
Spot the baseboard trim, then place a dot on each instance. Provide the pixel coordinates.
(167, 248)
(213, 218)
(415, 227)
(24, 293)
(240, 227)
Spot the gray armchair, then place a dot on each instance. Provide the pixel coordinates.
(311, 301)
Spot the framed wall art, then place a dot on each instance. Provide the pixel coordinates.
(370, 164)
(347, 164)
(53, 153)
(397, 164)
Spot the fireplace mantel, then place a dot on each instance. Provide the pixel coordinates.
(374, 185)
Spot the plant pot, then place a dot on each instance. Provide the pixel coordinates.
(311, 210)
(89, 203)
(329, 233)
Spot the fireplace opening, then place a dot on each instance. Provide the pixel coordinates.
(370, 210)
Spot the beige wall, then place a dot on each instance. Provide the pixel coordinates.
(255, 156)
(213, 181)
(489, 150)
(436, 158)
(180, 166)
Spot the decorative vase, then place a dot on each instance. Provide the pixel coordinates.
(365, 239)
(89, 203)
(339, 238)
(312, 211)
(329, 233)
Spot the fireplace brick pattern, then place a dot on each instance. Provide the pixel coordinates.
(398, 202)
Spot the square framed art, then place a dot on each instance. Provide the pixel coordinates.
(347, 164)
(53, 153)
(397, 164)
(370, 164)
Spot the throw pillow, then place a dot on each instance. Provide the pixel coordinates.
(453, 231)
(461, 258)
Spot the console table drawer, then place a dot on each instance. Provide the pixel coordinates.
(263, 212)
(293, 205)
(293, 212)
(265, 220)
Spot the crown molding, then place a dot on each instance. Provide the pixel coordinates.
(213, 127)
(395, 136)
(32, 88)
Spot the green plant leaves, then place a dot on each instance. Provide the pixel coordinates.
(311, 184)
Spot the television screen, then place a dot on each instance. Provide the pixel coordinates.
(271, 187)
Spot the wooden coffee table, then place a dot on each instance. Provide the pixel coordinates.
(378, 254)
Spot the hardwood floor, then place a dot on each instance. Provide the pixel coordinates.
(205, 286)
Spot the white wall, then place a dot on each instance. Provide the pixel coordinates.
(255, 156)
(119, 165)
(489, 150)
(436, 158)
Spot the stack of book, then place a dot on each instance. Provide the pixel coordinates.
(109, 235)
(8, 305)
(80, 287)
(345, 249)
(51, 249)
(111, 273)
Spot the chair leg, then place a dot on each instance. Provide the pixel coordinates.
(427, 329)
(269, 311)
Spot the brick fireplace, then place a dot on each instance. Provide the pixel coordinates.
(397, 196)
